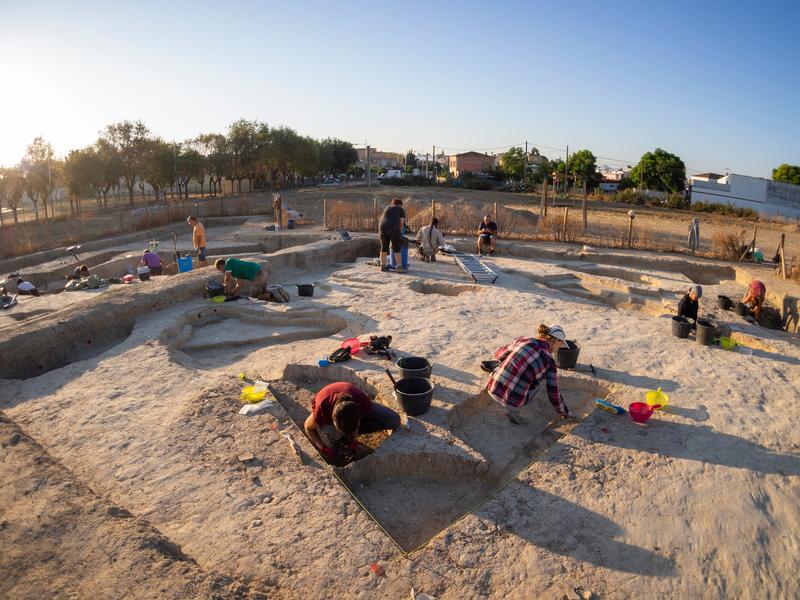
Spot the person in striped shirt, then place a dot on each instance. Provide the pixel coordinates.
(525, 365)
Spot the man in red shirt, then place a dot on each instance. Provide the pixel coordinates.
(339, 412)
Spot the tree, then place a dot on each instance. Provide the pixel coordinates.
(513, 162)
(190, 164)
(660, 170)
(158, 166)
(82, 175)
(787, 174)
(129, 140)
(583, 166)
(110, 165)
(243, 147)
(336, 156)
(12, 188)
(214, 148)
(36, 168)
(411, 160)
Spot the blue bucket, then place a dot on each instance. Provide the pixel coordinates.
(184, 264)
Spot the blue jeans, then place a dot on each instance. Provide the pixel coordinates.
(379, 418)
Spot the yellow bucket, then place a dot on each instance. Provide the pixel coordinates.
(657, 399)
(727, 343)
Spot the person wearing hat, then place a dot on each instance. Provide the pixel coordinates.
(526, 364)
(689, 304)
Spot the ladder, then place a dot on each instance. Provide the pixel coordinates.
(474, 268)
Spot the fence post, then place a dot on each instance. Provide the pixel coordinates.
(375, 223)
(325, 214)
(543, 211)
(583, 208)
(495, 212)
(631, 215)
(564, 224)
(433, 208)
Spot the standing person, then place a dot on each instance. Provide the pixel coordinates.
(391, 233)
(430, 238)
(689, 305)
(339, 412)
(754, 298)
(526, 364)
(238, 271)
(487, 232)
(277, 209)
(693, 240)
(198, 239)
(152, 261)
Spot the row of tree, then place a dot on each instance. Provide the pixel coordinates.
(127, 155)
(657, 170)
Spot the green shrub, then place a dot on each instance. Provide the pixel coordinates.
(630, 197)
(677, 200)
(724, 209)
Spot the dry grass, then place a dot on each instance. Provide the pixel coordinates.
(728, 245)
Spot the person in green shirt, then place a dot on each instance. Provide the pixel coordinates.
(238, 272)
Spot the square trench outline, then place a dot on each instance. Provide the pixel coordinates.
(477, 477)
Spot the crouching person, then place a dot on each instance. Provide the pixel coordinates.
(430, 238)
(526, 366)
(244, 277)
(339, 413)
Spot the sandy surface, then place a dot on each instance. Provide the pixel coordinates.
(700, 502)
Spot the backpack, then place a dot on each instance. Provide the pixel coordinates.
(340, 355)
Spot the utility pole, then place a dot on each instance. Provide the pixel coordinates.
(369, 181)
(525, 166)
(566, 171)
(434, 164)
(426, 165)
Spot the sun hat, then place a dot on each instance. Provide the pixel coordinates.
(697, 290)
(557, 332)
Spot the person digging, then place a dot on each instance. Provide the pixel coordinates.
(689, 304)
(240, 273)
(339, 413)
(527, 364)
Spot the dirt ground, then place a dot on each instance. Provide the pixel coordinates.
(130, 473)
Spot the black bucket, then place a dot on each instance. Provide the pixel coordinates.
(681, 326)
(741, 309)
(305, 289)
(724, 302)
(567, 358)
(144, 276)
(414, 395)
(414, 366)
(705, 332)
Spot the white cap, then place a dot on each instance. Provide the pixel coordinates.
(558, 332)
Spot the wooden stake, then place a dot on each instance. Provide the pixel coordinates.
(375, 213)
(783, 259)
(564, 223)
(495, 212)
(433, 208)
(325, 213)
(630, 232)
(583, 207)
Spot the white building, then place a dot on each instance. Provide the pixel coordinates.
(762, 195)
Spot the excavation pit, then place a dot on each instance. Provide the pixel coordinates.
(444, 289)
(425, 478)
(228, 333)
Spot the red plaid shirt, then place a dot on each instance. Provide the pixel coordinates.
(524, 364)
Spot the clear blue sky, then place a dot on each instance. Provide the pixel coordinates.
(718, 84)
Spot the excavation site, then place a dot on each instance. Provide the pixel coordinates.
(182, 430)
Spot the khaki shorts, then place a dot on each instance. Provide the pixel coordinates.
(258, 285)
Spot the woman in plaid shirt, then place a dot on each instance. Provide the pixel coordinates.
(526, 364)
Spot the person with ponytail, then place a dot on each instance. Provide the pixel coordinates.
(526, 364)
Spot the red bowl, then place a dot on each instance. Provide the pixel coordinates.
(640, 411)
(353, 344)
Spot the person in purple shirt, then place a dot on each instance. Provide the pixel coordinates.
(152, 261)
